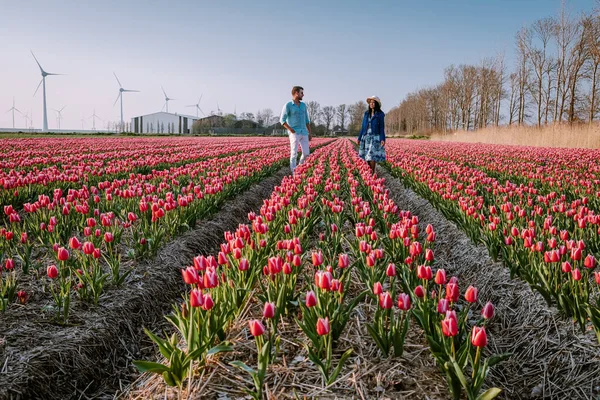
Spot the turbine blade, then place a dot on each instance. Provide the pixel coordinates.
(200, 99)
(191, 105)
(163, 89)
(125, 90)
(117, 80)
(48, 73)
(36, 60)
(17, 110)
(201, 111)
(62, 108)
(38, 87)
(117, 99)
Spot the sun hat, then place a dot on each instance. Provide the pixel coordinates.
(374, 98)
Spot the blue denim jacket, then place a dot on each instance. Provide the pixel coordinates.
(377, 125)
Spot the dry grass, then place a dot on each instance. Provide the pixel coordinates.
(558, 135)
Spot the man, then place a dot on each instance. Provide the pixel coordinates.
(294, 118)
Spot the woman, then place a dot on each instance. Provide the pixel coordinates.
(372, 134)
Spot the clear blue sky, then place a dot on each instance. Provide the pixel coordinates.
(243, 54)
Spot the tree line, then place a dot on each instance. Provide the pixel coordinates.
(555, 79)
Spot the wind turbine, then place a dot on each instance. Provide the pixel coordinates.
(43, 81)
(166, 99)
(59, 116)
(13, 109)
(120, 96)
(197, 106)
(218, 109)
(94, 116)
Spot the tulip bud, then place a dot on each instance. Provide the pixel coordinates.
(403, 301)
(190, 276)
(576, 273)
(488, 310)
(391, 270)
(452, 292)
(10, 264)
(208, 302)
(440, 277)
(449, 327)
(109, 237)
(256, 327)
(471, 294)
(385, 300)
(424, 272)
(479, 337)
(52, 272)
(196, 298)
(269, 310)
(311, 299)
(323, 327)
(589, 262)
(597, 277)
(343, 261)
(420, 292)
(63, 254)
(88, 248)
(377, 288)
(429, 255)
(74, 243)
(370, 260)
(443, 306)
(244, 265)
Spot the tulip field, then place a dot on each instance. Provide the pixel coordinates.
(328, 279)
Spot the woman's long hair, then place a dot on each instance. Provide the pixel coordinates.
(376, 109)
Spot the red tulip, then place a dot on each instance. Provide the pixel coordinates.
(479, 337)
(471, 294)
(403, 301)
(256, 327)
(391, 270)
(10, 264)
(88, 248)
(566, 267)
(63, 254)
(597, 277)
(377, 288)
(440, 277)
(576, 273)
(196, 298)
(370, 260)
(109, 237)
(424, 272)
(74, 243)
(488, 310)
(190, 276)
(244, 264)
(323, 327)
(429, 255)
(269, 310)
(52, 272)
(311, 299)
(317, 258)
(443, 306)
(385, 300)
(343, 261)
(208, 302)
(420, 292)
(452, 292)
(449, 327)
(589, 262)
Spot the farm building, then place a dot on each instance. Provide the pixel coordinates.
(163, 122)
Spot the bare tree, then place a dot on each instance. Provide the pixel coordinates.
(356, 112)
(342, 114)
(592, 71)
(328, 114)
(268, 116)
(314, 112)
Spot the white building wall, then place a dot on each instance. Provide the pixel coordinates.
(162, 122)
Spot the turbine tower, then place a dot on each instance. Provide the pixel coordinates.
(219, 112)
(59, 116)
(94, 116)
(197, 106)
(120, 96)
(13, 109)
(166, 99)
(43, 81)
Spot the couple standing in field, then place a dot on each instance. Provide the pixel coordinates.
(294, 118)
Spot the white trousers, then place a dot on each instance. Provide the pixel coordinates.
(296, 140)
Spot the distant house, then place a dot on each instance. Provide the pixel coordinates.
(339, 131)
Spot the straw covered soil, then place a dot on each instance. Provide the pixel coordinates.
(91, 357)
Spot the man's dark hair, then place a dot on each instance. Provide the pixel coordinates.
(296, 89)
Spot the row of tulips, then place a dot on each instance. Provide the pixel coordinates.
(25, 175)
(131, 217)
(543, 237)
(334, 196)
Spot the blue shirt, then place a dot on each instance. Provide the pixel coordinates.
(296, 117)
